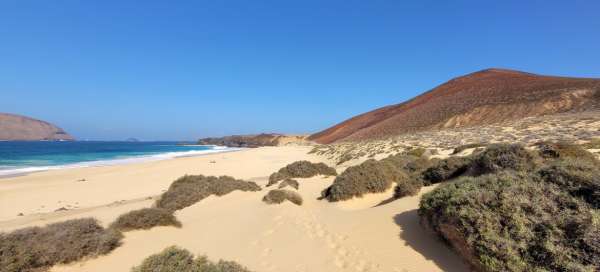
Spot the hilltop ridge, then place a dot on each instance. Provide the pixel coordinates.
(484, 97)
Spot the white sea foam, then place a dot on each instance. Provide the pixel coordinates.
(4, 172)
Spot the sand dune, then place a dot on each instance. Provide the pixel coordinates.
(317, 236)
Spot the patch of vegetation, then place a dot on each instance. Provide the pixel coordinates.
(289, 182)
(344, 158)
(592, 144)
(446, 169)
(190, 189)
(499, 157)
(563, 150)
(279, 196)
(369, 177)
(412, 165)
(145, 219)
(510, 221)
(417, 151)
(174, 259)
(301, 169)
(467, 146)
(38, 248)
(407, 187)
(578, 177)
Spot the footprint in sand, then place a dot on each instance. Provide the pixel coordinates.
(347, 259)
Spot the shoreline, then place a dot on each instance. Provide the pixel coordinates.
(23, 171)
(328, 237)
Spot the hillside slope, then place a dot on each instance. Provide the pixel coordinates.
(484, 97)
(21, 128)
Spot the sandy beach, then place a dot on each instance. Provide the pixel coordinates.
(317, 236)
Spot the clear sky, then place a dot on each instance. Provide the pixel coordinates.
(180, 70)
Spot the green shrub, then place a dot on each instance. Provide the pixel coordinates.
(188, 190)
(145, 219)
(289, 182)
(38, 248)
(369, 177)
(578, 177)
(500, 157)
(301, 169)
(511, 222)
(279, 196)
(174, 259)
(446, 169)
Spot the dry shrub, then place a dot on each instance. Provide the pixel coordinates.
(446, 169)
(592, 144)
(38, 248)
(145, 219)
(279, 196)
(188, 190)
(370, 176)
(301, 169)
(289, 182)
(407, 187)
(412, 165)
(509, 221)
(499, 157)
(174, 259)
(416, 152)
(563, 150)
(578, 177)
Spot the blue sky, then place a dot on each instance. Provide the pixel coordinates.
(180, 70)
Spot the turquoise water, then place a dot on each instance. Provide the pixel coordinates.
(23, 157)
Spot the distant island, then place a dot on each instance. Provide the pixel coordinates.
(15, 127)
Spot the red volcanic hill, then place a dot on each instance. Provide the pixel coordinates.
(484, 97)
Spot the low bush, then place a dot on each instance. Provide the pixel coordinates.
(289, 182)
(578, 177)
(279, 196)
(510, 222)
(145, 219)
(38, 248)
(188, 190)
(412, 165)
(417, 151)
(369, 177)
(446, 169)
(174, 259)
(562, 150)
(301, 169)
(407, 187)
(344, 158)
(499, 157)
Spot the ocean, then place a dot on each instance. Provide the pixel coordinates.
(24, 157)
